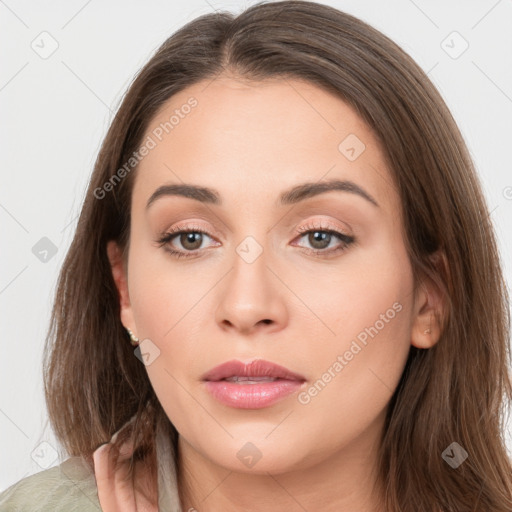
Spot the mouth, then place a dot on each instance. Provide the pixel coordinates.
(254, 385)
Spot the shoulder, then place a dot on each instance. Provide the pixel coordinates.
(70, 486)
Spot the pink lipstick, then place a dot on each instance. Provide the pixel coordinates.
(253, 385)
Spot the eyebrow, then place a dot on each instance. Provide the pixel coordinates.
(292, 196)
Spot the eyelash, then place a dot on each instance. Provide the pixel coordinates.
(166, 237)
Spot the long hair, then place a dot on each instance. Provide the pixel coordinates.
(454, 392)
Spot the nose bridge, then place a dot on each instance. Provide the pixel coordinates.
(251, 295)
(249, 278)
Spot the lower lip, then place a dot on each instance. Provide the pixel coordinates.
(252, 396)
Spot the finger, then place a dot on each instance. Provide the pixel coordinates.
(113, 478)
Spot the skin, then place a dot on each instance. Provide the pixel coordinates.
(251, 141)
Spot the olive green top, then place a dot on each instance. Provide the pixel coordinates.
(71, 486)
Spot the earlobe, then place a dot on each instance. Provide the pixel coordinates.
(119, 274)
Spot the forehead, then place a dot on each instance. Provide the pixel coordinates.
(251, 139)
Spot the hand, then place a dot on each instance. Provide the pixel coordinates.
(119, 488)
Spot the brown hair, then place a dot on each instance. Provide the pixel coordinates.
(453, 392)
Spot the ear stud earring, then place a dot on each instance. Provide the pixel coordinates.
(133, 339)
(427, 331)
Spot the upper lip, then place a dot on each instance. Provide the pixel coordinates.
(255, 368)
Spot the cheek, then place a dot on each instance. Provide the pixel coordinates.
(164, 293)
(365, 297)
(173, 306)
(166, 304)
(359, 365)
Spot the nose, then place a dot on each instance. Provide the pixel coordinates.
(251, 298)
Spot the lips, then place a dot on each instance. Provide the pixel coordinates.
(255, 385)
(258, 370)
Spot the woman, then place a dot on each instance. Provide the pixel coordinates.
(335, 336)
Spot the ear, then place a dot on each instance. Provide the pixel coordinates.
(120, 275)
(430, 306)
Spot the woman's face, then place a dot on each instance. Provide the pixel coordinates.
(313, 279)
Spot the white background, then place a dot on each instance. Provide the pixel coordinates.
(55, 112)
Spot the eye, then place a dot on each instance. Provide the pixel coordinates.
(321, 237)
(190, 239)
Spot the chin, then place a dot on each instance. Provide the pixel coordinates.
(252, 455)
